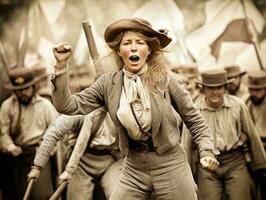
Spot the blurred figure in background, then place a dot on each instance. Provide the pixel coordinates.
(236, 87)
(257, 107)
(232, 128)
(24, 118)
(190, 74)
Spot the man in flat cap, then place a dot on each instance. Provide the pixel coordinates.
(24, 117)
(236, 87)
(232, 127)
(257, 107)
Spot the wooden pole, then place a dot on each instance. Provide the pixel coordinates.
(252, 31)
(22, 51)
(4, 58)
(58, 191)
(92, 47)
(28, 190)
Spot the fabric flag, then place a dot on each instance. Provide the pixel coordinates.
(224, 36)
(236, 30)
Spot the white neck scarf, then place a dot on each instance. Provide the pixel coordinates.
(135, 87)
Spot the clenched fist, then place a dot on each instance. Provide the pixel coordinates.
(209, 163)
(65, 176)
(14, 150)
(62, 53)
(33, 174)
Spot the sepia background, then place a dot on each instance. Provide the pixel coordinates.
(211, 33)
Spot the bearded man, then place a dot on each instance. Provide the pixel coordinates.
(236, 87)
(24, 117)
(257, 107)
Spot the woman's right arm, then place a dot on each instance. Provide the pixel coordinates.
(79, 103)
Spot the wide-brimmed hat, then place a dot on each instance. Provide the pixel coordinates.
(190, 71)
(257, 80)
(214, 78)
(234, 71)
(138, 24)
(21, 78)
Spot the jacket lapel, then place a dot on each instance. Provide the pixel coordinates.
(114, 95)
(156, 113)
(114, 100)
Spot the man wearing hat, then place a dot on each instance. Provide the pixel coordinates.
(232, 127)
(257, 107)
(24, 118)
(236, 87)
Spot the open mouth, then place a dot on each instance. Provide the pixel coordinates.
(134, 58)
(215, 98)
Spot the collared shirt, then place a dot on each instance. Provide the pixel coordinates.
(34, 120)
(136, 93)
(258, 114)
(230, 123)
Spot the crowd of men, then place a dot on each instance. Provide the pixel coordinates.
(232, 102)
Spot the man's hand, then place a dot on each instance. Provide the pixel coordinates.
(62, 53)
(65, 176)
(209, 163)
(14, 150)
(34, 173)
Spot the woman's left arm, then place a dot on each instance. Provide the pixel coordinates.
(194, 121)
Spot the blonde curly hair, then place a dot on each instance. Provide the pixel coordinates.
(156, 76)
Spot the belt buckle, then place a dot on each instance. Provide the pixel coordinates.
(146, 148)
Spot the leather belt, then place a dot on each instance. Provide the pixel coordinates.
(30, 149)
(98, 152)
(229, 153)
(141, 146)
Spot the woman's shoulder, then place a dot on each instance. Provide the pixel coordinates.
(175, 81)
(111, 76)
(175, 78)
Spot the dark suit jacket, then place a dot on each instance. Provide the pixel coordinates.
(106, 91)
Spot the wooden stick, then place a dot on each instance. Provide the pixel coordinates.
(28, 190)
(4, 58)
(92, 47)
(59, 190)
(254, 39)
